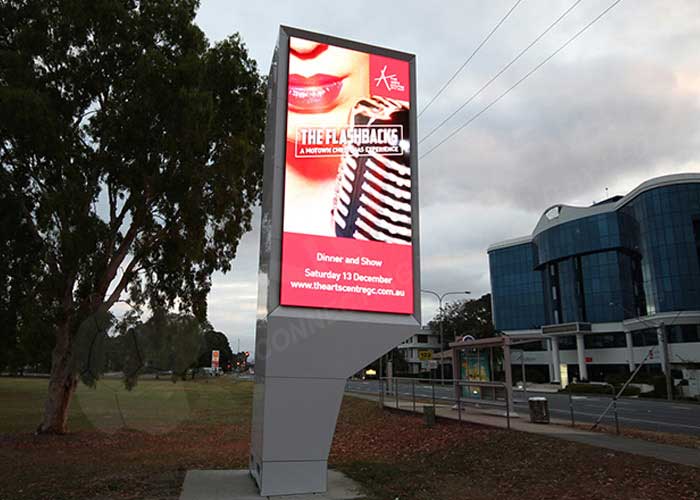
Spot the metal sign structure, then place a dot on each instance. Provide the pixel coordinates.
(339, 248)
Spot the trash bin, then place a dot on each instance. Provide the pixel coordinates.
(539, 410)
(429, 415)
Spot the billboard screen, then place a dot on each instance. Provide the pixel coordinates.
(347, 227)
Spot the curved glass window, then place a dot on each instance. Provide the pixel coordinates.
(590, 234)
(517, 291)
(668, 240)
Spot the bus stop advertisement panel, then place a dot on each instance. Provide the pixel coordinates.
(339, 250)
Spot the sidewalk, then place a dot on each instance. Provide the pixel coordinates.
(557, 429)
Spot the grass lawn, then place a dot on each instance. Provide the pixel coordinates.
(138, 445)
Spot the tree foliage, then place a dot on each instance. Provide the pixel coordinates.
(216, 341)
(465, 317)
(131, 158)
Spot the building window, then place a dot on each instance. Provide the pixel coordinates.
(422, 339)
(604, 340)
(683, 333)
(567, 342)
(696, 234)
(647, 337)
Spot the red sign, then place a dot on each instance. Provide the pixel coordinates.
(347, 238)
(589, 359)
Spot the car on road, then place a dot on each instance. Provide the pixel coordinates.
(212, 372)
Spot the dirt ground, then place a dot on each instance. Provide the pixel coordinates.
(125, 451)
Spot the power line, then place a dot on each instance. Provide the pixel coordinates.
(447, 83)
(502, 70)
(527, 75)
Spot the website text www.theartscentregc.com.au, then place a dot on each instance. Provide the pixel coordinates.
(335, 287)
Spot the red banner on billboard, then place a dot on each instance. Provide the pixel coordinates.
(347, 201)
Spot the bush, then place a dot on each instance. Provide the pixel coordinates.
(659, 383)
(617, 379)
(600, 389)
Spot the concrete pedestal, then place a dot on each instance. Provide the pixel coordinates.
(239, 485)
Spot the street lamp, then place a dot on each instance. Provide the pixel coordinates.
(440, 297)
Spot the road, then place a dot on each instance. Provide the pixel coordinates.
(654, 415)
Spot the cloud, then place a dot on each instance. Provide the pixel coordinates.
(616, 107)
(233, 299)
(603, 120)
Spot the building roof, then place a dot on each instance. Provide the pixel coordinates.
(497, 341)
(560, 214)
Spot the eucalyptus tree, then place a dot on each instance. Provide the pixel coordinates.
(132, 153)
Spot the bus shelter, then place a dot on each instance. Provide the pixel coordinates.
(483, 361)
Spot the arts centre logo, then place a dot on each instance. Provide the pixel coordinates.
(391, 82)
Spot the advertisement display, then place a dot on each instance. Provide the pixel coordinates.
(215, 359)
(475, 366)
(339, 279)
(347, 218)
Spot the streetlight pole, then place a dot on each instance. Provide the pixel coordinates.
(440, 298)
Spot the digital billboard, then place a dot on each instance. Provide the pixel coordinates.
(347, 217)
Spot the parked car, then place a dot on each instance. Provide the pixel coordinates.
(212, 372)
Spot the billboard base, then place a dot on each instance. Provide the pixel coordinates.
(299, 387)
(238, 485)
(291, 478)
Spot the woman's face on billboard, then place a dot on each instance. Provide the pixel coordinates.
(324, 83)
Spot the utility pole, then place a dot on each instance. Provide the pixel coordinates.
(665, 361)
(440, 297)
(522, 369)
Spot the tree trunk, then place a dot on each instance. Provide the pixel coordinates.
(62, 384)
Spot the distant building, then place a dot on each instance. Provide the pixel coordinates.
(596, 282)
(424, 340)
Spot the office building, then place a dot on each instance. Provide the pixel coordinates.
(605, 284)
(423, 340)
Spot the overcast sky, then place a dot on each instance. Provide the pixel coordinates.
(617, 106)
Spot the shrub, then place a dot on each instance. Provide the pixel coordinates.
(659, 383)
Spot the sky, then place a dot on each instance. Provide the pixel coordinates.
(617, 106)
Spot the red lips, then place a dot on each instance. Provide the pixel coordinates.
(314, 94)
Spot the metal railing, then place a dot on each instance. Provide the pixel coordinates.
(419, 391)
(411, 393)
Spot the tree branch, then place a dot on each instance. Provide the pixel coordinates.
(112, 203)
(118, 258)
(126, 277)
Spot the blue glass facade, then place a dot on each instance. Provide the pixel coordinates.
(591, 234)
(517, 289)
(631, 257)
(669, 230)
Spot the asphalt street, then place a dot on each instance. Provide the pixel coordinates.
(654, 415)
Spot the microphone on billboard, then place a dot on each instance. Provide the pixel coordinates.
(373, 190)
